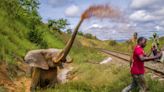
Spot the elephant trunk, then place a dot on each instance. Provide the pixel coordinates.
(64, 53)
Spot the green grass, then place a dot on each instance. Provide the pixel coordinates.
(155, 85)
(102, 78)
(2, 89)
(95, 78)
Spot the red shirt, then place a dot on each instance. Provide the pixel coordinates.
(137, 65)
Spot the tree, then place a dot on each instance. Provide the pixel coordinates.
(30, 5)
(58, 25)
(112, 43)
(50, 23)
(30, 10)
(69, 31)
(80, 33)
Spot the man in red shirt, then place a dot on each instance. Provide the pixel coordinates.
(137, 66)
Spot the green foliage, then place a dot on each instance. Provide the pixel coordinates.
(29, 5)
(36, 36)
(10, 6)
(53, 40)
(58, 25)
(21, 9)
(90, 36)
(112, 43)
(2, 89)
(82, 54)
(69, 31)
(80, 33)
(12, 39)
(155, 85)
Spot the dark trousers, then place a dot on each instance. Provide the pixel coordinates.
(138, 81)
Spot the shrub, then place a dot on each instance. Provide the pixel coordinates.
(80, 33)
(90, 36)
(36, 36)
(69, 31)
(112, 43)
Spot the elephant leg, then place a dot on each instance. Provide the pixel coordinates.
(31, 69)
(35, 79)
(53, 79)
(52, 83)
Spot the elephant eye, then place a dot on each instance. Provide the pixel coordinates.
(27, 61)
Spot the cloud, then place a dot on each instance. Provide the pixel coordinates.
(158, 28)
(138, 4)
(58, 3)
(145, 11)
(95, 26)
(72, 11)
(162, 23)
(159, 12)
(142, 16)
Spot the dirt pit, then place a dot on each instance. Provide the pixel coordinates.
(22, 83)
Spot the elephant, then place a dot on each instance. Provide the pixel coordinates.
(45, 62)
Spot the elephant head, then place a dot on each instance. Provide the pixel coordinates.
(35, 58)
(45, 58)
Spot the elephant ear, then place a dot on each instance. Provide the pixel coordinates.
(36, 59)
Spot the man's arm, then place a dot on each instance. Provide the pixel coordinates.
(145, 58)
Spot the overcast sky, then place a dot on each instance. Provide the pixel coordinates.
(143, 16)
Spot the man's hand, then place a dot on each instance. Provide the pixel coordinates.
(145, 58)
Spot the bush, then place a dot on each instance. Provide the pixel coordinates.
(80, 33)
(90, 36)
(112, 43)
(36, 36)
(69, 31)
